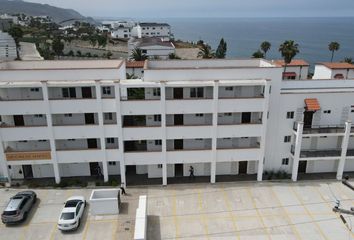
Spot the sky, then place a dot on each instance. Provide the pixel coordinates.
(207, 8)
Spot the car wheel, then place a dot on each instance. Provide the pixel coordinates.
(78, 224)
(25, 216)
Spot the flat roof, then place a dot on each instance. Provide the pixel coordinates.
(61, 64)
(207, 64)
(337, 65)
(294, 62)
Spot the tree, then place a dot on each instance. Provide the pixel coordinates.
(333, 46)
(205, 52)
(58, 47)
(221, 50)
(265, 46)
(348, 60)
(109, 54)
(78, 53)
(138, 55)
(288, 50)
(16, 33)
(258, 54)
(173, 56)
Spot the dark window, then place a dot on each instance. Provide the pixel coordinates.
(108, 116)
(34, 89)
(156, 92)
(106, 90)
(285, 161)
(69, 92)
(158, 142)
(229, 88)
(110, 140)
(157, 118)
(327, 111)
(199, 115)
(287, 139)
(197, 92)
(290, 115)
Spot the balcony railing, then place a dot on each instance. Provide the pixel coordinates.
(320, 153)
(318, 129)
(6, 125)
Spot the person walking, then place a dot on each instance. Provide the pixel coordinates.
(122, 189)
(99, 173)
(191, 172)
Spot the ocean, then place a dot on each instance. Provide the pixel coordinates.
(244, 35)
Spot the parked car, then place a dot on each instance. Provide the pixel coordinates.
(18, 207)
(70, 216)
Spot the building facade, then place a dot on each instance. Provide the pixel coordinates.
(7, 47)
(223, 117)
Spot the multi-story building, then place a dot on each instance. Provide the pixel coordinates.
(7, 47)
(223, 117)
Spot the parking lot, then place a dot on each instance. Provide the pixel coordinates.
(240, 210)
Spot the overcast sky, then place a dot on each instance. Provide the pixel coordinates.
(207, 8)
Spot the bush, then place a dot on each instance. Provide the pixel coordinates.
(280, 174)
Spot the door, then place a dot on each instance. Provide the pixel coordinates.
(178, 143)
(89, 118)
(308, 119)
(178, 93)
(27, 171)
(242, 167)
(246, 117)
(94, 168)
(86, 92)
(302, 166)
(178, 170)
(18, 120)
(129, 170)
(92, 143)
(178, 119)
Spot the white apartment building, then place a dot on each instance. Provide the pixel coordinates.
(121, 32)
(147, 29)
(152, 47)
(7, 47)
(223, 117)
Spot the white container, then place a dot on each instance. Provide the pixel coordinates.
(105, 201)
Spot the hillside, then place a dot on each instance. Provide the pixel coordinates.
(37, 9)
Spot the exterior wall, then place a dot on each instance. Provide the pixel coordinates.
(138, 72)
(301, 71)
(322, 72)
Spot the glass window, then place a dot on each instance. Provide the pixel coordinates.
(106, 90)
(290, 115)
(287, 139)
(285, 161)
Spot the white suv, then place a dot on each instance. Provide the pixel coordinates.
(71, 214)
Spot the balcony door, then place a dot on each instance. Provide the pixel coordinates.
(178, 170)
(27, 171)
(178, 93)
(246, 117)
(242, 167)
(18, 120)
(178, 119)
(92, 143)
(178, 143)
(302, 166)
(89, 118)
(308, 116)
(86, 92)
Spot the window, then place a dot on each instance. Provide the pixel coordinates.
(69, 92)
(110, 140)
(352, 111)
(106, 90)
(108, 116)
(71, 140)
(229, 88)
(228, 114)
(23, 141)
(156, 92)
(327, 111)
(42, 140)
(158, 142)
(197, 92)
(34, 89)
(68, 115)
(159, 165)
(112, 163)
(199, 139)
(287, 139)
(38, 115)
(285, 161)
(199, 115)
(157, 118)
(290, 115)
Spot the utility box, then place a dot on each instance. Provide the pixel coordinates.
(105, 201)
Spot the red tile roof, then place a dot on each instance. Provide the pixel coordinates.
(294, 62)
(135, 64)
(312, 104)
(338, 65)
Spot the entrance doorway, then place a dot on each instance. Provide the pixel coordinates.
(242, 167)
(308, 116)
(92, 143)
(94, 168)
(18, 120)
(178, 93)
(129, 170)
(89, 118)
(86, 92)
(178, 143)
(178, 119)
(27, 171)
(302, 166)
(246, 117)
(178, 170)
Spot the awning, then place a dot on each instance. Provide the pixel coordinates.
(289, 74)
(312, 104)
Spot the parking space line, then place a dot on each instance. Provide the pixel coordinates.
(54, 230)
(115, 228)
(85, 229)
(202, 217)
(174, 209)
(298, 197)
(258, 214)
(229, 208)
(293, 227)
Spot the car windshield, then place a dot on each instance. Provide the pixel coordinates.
(67, 216)
(9, 213)
(71, 203)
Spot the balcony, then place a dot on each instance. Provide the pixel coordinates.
(27, 156)
(239, 92)
(322, 154)
(140, 94)
(21, 94)
(322, 129)
(228, 105)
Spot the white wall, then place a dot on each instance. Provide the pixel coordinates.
(74, 169)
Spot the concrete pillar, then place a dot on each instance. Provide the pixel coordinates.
(214, 132)
(51, 132)
(102, 135)
(297, 150)
(119, 132)
(266, 95)
(343, 155)
(3, 162)
(163, 131)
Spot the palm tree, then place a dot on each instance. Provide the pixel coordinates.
(205, 52)
(348, 60)
(288, 50)
(258, 54)
(265, 46)
(333, 46)
(138, 55)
